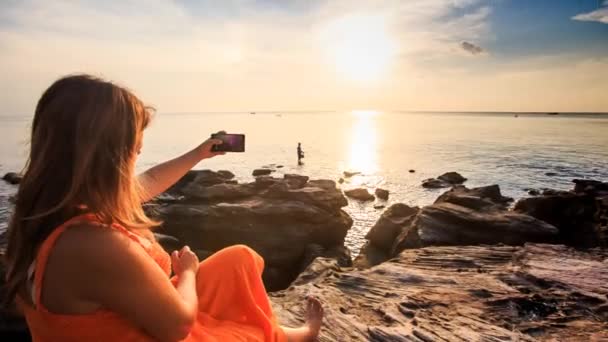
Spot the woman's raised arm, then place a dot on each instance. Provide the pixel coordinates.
(160, 177)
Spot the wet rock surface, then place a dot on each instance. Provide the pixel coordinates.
(445, 180)
(360, 194)
(580, 214)
(261, 172)
(382, 194)
(348, 174)
(452, 178)
(12, 178)
(482, 198)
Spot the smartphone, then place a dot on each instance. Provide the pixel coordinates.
(230, 142)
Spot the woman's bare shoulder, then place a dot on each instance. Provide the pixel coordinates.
(91, 243)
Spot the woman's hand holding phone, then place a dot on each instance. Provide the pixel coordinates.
(205, 149)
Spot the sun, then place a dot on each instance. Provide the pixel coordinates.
(359, 46)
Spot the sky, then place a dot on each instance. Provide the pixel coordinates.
(266, 55)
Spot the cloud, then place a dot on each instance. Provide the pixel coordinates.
(599, 15)
(237, 41)
(186, 55)
(471, 48)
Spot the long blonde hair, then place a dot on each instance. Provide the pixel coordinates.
(84, 140)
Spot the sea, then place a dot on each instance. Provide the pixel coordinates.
(518, 151)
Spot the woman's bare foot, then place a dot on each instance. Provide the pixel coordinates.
(314, 316)
(310, 330)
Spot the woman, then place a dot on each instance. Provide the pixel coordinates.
(82, 261)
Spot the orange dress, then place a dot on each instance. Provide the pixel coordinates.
(233, 305)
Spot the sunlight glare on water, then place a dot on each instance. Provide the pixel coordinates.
(364, 143)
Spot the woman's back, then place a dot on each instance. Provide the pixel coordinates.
(55, 314)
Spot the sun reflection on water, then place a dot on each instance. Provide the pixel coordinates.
(363, 145)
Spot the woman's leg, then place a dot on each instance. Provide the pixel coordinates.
(230, 287)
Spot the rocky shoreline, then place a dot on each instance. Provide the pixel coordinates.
(471, 266)
(536, 292)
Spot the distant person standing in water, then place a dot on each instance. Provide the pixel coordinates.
(300, 154)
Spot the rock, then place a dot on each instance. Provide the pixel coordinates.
(261, 172)
(191, 175)
(277, 217)
(277, 229)
(381, 237)
(199, 178)
(379, 206)
(445, 180)
(389, 226)
(370, 256)
(447, 224)
(340, 254)
(264, 182)
(551, 192)
(219, 192)
(326, 184)
(12, 199)
(208, 177)
(464, 293)
(533, 192)
(481, 198)
(320, 267)
(12, 178)
(279, 166)
(460, 216)
(341, 180)
(590, 186)
(226, 174)
(382, 194)
(348, 174)
(550, 174)
(360, 194)
(319, 197)
(412, 171)
(296, 181)
(452, 178)
(432, 183)
(574, 214)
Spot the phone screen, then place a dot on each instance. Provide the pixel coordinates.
(230, 143)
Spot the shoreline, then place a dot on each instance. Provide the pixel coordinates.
(364, 213)
(219, 193)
